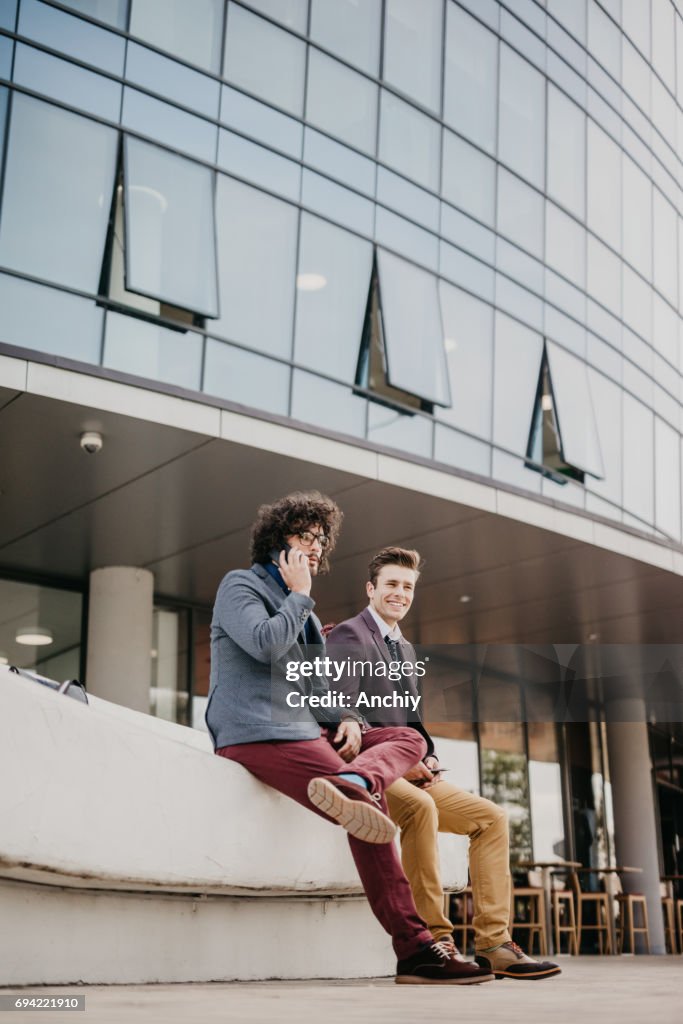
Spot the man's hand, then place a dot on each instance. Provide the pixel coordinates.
(295, 571)
(432, 762)
(349, 735)
(420, 775)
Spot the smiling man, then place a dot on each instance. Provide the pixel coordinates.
(420, 803)
(263, 619)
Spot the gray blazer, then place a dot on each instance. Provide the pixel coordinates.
(255, 629)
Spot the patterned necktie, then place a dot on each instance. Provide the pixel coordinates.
(394, 649)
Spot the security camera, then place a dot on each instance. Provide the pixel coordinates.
(91, 442)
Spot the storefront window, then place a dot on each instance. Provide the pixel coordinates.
(40, 629)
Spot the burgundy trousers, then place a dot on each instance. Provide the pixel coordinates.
(384, 757)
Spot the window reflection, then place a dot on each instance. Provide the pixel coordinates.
(74, 36)
(409, 141)
(264, 60)
(412, 49)
(257, 258)
(170, 249)
(341, 102)
(521, 117)
(59, 172)
(190, 31)
(113, 12)
(545, 791)
(57, 611)
(471, 78)
(168, 697)
(350, 29)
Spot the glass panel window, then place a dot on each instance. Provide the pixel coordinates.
(59, 172)
(8, 14)
(566, 152)
(667, 479)
(468, 178)
(574, 411)
(169, 125)
(259, 165)
(637, 218)
(333, 283)
(516, 367)
(328, 405)
(349, 28)
(604, 186)
(65, 82)
(409, 141)
(261, 122)
(521, 134)
(339, 161)
(257, 258)
(636, 22)
(664, 42)
(545, 789)
(665, 247)
(246, 378)
(607, 405)
(468, 329)
(292, 13)
(113, 12)
(397, 430)
(638, 466)
(339, 204)
(190, 31)
(6, 53)
(73, 36)
(170, 242)
(520, 213)
(604, 275)
(416, 359)
(565, 242)
(150, 350)
(172, 79)
(604, 40)
(265, 60)
(471, 83)
(50, 320)
(341, 102)
(28, 606)
(412, 49)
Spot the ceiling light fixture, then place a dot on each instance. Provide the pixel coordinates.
(34, 636)
(310, 282)
(465, 598)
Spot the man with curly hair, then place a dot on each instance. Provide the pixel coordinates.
(263, 618)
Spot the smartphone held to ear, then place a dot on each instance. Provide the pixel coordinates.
(275, 553)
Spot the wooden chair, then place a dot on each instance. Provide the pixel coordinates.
(563, 911)
(679, 922)
(528, 915)
(669, 912)
(459, 910)
(626, 923)
(603, 915)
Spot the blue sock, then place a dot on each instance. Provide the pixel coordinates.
(358, 779)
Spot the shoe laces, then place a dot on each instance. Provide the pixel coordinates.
(514, 947)
(442, 949)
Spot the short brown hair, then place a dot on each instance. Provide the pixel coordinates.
(407, 559)
(297, 511)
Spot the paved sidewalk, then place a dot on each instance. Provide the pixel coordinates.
(591, 990)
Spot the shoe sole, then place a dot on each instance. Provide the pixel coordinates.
(415, 979)
(529, 976)
(358, 818)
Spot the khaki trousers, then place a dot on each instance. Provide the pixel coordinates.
(421, 815)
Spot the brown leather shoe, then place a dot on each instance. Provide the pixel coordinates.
(510, 961)
(353, 807)
(435, 965)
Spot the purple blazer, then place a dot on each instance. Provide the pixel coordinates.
(360, 638)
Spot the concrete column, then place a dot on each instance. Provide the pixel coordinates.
(120, 635)
(635, 821)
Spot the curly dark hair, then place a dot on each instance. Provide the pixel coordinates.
(288, 515)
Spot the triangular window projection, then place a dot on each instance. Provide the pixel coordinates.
(402, 358)
(160, 256)
(563, 440)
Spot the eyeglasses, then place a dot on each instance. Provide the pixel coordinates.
(308, 538)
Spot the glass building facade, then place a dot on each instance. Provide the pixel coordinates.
(382, 219)
(450, 229)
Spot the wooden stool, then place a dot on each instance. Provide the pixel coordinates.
(460, 913)
(628, 901)
(534, 920)
(669, 923)
(603, 915)
(679, 921)
(563, 900)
